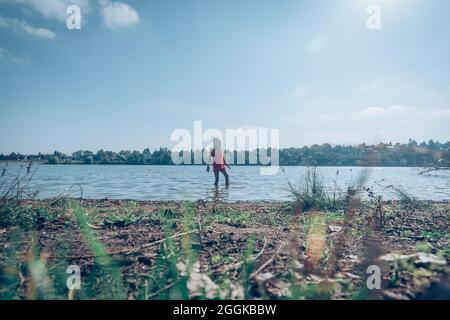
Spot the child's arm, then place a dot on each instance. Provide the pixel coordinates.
(208, 164)
(211, 161)
(225, 163)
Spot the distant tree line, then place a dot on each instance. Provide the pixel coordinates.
(383, 154)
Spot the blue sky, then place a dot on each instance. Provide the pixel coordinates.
(137, 70)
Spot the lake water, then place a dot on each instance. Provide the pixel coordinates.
(192, 182)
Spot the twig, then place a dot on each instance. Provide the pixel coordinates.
(67, 193)
(199, 225)
(128, 250)
(262, 250)
(93, 227)
(238, 264)
(268, 261)
(161, 290)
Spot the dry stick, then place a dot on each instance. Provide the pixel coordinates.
(262, 250)
(67, 193)
(199, 226)
(268, 261)
(127, 250)
(93, 226)
(238, 264)
(161, 290)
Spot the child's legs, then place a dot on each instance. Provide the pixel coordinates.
(216, 177)
(225, 174)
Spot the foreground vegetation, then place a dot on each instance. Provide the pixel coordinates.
(181, 250)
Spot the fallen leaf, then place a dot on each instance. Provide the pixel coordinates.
(428, 258)
(353, 258)
(264, 276)
(334, 228)
(395, 296)
(316, 278)
(351, 275)
(200, 284)
(395, 256)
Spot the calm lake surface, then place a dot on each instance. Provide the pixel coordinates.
(193, 183)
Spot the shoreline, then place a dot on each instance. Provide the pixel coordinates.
(200, 165)
(121, 201)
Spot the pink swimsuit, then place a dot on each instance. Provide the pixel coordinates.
(218, 160)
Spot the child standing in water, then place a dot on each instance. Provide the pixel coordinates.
(218, 162)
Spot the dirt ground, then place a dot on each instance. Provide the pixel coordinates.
(261, 250)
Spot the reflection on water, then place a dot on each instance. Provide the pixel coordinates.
(192, 182)
(220, 193)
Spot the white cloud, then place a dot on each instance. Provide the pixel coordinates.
(400, 109)
(53, 9)
(369, 87)
(407, 123)
(394, 110)
(301, 92)
(118, 14)
(441, 114)
(371, 112)
(6, 55)
(395, 123)
(115, 14)
(317, 44)
(21, 26)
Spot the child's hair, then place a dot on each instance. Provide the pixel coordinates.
(217, 143)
